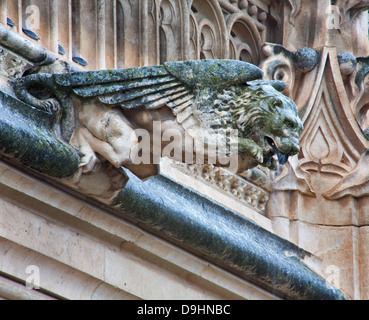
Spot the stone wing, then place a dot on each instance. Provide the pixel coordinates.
(174, 84)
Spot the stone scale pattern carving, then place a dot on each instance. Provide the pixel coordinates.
(12, 66)
(233, 185)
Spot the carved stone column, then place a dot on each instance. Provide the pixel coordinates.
(3, 11)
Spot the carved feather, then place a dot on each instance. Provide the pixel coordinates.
(178, 85)
(174, 84)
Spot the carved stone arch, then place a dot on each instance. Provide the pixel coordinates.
(208, 40)
(167, 12)
(194, 42)
(173, 30)
(332, 141)
(244, 52)
(232, 49)
(167, 16)
(242, 31)
(211, 11)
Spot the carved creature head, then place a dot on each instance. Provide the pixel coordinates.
(263, 116)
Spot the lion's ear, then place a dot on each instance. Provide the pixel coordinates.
(278, 85)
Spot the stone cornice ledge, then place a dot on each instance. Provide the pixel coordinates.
(224, 238)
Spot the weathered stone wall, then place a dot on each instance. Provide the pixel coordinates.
(318, 201)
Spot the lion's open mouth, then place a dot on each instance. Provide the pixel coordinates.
(282, 158)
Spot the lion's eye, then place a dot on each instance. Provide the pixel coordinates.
(277, 104)
(289, 123)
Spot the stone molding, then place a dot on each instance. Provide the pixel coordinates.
(246, 192)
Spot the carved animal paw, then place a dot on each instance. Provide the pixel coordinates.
(51, 106)
(250, 147)
(272, 164)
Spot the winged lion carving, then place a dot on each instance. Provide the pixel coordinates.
(100, 111)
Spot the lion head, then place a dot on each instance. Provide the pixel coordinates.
(265, 119)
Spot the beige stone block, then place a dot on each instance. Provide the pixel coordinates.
(315, 210)
(51, 239)
(202, 272)
(60, 280)
(11, 290)
(362, 207)
(364, 262)
(151, 278)
(337, 248)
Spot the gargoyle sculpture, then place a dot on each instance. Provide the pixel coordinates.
(102, 111)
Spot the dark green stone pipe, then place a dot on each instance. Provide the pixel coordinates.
(28, 136)
(223, 237)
